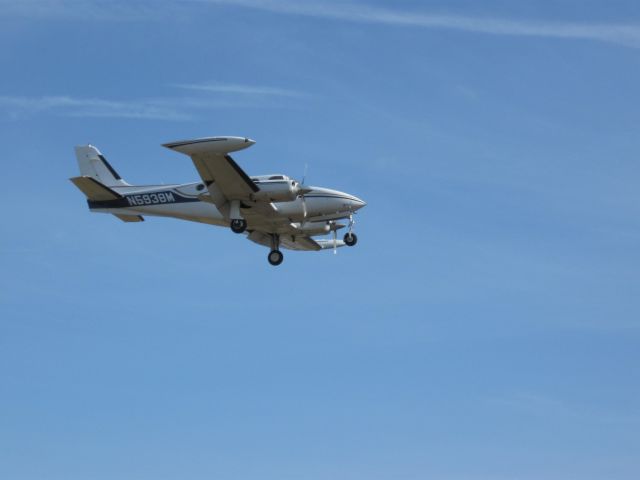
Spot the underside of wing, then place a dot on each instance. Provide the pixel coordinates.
(299, 243)
(263, 216)
(291, 242)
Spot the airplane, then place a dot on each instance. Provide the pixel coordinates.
(273, 210)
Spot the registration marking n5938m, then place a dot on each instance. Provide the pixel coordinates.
(150, 199)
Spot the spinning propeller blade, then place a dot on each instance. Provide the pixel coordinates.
(304, 207)
(303, 191)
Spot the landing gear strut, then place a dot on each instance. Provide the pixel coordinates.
(238, 225)
(350, 238)
(275, 256)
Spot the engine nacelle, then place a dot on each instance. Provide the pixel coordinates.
(277, 188)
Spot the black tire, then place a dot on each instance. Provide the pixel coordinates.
(350, 239)
(238, 225)
(275, 257)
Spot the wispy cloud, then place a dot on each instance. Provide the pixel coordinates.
(627, 34)
(20, 106)
(249, 90)
(623, 34)
(213, 96)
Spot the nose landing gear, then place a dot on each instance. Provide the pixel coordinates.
(350, 238)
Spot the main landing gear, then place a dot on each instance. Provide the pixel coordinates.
(275, 256)
(238, 225)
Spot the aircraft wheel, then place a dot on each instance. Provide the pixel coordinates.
(275, 257)
(350, 239)
(238, 225)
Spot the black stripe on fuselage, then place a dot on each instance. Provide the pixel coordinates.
(146, 199)
(324, 195)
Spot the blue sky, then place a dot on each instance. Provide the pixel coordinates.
(485, 327)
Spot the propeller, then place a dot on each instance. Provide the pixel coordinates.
(304, 207)
(302, 191)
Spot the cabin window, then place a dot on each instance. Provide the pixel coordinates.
(276, 177)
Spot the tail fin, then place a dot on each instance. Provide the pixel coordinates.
(93, 164)
(96, 193)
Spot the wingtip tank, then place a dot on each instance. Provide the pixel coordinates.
(215, 145)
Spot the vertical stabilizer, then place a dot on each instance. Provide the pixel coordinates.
(93, 164)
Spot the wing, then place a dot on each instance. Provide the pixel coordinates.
(226, 181)
(299, 243)
(222, 170)
(291, 242)
(214, 164)
(292, 238)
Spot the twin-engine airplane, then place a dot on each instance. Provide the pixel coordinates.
(275, 210)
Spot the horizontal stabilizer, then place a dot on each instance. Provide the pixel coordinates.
(130, 218)
(94, 190)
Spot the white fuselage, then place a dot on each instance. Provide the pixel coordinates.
(189, 202)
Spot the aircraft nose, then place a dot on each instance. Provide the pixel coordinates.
(358, 203)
